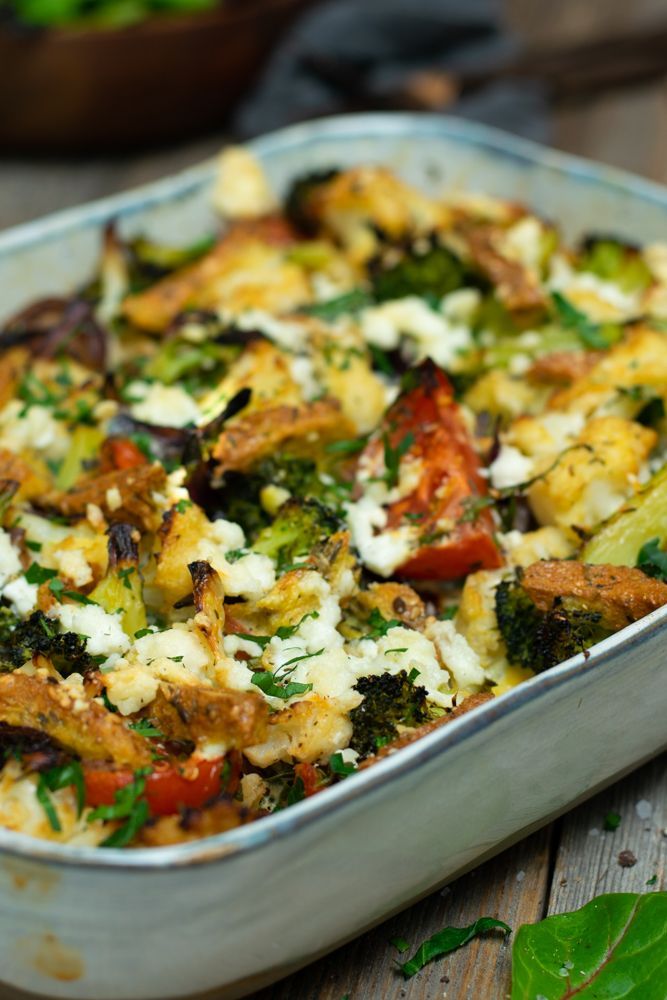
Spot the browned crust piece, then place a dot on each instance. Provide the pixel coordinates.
(195, 824)
(515, 287)
(133, 485)
(410, 736)
(263, 432)
(80, 726)
(13, 363)
(15, 469)
(393, 601)
(155, 308)
(561, 368)
(237, 718)
(621, 594)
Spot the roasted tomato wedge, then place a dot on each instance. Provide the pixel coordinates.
(171, 787)
(311, 778)
(436, 493)
(121, 453)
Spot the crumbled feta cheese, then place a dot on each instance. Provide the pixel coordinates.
(179, 644)
(233, 644)
(455, 652)
(34, 428)
(104, 632)
(22, 595)
(167, 405)
(303, 373)
(381, 550)
(510, 468)
(241, 189)
(227, 534)
(460, 306)
(434, 335)
(73, 564)
(285, 333)
(113, 498)
(599, 299)
(522, 243)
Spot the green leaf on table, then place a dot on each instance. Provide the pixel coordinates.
(449, 939)
(612, 821)
(614, 947)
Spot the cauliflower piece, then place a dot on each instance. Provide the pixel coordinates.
(546, 543)
(241, 190)
(476, 618)
(595, 477)
(310, 730)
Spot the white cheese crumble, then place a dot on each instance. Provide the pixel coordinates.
(104, 632)
(22, 595)
(284, 333)
(303, 373)
(381, 550)
(73, 564)
(241, 189)
(433, 334)
(35, 429)
(250, 576)
(167, 405)
(455, 652)
(509, 468)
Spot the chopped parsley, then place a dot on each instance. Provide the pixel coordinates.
(473, 507)
(341, 767)
(597, 336)
(144, 727)
(55, 778)
(652, 559)
(39, 574)
(129, 805)
(612, 821)
(379, 625)
(393, 456)
(283, 632)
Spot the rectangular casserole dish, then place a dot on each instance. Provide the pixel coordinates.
(224, 916)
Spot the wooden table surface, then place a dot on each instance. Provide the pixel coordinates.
(567, 863)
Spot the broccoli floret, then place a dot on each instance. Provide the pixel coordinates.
(541, 639)
(612, 260)
(390, 700)
(299, 526)
(239, 497)
(297, 205)
(431, 274)
(19, 640)
(8, 623)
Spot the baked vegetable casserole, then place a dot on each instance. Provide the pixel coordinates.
(277, 504)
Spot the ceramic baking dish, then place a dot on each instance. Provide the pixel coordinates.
(222, 917)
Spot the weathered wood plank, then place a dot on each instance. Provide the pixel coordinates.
(512, 887)
(587, 858)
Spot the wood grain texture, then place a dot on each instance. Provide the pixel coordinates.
(587, 858)
(511, 887)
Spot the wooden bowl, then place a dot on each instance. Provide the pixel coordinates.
(82, 90)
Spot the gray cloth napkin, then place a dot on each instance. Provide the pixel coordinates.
(385, 42)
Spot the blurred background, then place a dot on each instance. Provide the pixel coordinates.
(101, 95)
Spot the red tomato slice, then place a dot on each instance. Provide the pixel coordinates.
(311, 778)
(122, 453)
(169, 788)
(455, 531)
